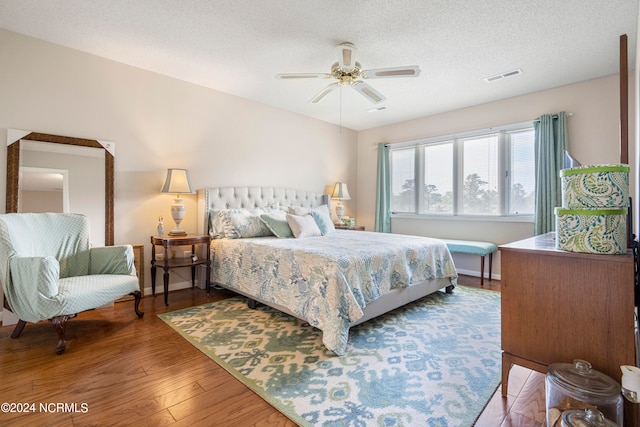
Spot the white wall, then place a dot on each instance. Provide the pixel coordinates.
(593, 139)
(157, 122)
(41, 201)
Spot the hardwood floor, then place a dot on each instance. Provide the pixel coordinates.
(119, 369)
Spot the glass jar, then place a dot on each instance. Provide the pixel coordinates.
(586, 418)
(575, 386)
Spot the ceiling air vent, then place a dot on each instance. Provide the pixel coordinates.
(373, 110)
(503, 75)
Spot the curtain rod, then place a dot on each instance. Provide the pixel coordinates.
(553, 116)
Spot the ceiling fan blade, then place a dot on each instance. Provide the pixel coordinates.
(347, 56)
(324, 92)
(368, 92)
(383, 73)
(287, 76)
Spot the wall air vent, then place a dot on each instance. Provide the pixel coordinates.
(503, 75)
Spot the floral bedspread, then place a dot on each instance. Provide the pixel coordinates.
(327, 280)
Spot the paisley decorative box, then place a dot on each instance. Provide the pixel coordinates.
(595, 186)
(596, 231)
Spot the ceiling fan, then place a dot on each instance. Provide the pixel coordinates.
(348, 72)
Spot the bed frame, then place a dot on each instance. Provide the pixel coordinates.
(257, 197)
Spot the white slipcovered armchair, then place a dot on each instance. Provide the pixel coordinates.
(50, 271)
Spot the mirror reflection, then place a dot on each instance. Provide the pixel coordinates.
(43, 190)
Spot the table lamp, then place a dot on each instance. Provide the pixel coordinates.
(177, 182)
(340, 193)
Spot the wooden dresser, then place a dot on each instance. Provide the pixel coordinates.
(559, 306)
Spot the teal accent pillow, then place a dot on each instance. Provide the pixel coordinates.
(277, 223)
(322, 216)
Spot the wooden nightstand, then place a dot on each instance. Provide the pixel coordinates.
(349, 227)
(167, 262)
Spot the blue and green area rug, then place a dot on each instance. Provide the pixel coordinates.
(434, 362)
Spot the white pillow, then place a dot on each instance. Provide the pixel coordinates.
(303, 226)
(320, 214)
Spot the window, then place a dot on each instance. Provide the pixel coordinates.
(438, 178)
(403, 180)
(480, 188)
(523, 173)
(488, 173)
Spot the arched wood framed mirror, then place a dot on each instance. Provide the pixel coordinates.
(15, 148)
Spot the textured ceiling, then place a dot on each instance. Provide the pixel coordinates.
(237, 46)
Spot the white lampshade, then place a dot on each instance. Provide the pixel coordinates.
(340, 191)
(177, 182)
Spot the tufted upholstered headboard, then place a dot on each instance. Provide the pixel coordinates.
(252, 197)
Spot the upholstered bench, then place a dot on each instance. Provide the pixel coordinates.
(474, 248)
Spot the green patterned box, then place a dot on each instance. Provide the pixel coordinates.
(594, 231)
(595, 186)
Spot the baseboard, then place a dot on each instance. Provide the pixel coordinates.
(476, 273)
(172, 287)
(8, 318)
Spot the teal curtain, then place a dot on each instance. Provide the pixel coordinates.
(550, 143)
(383, 191)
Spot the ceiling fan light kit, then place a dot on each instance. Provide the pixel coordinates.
(347, 54)
(348, 72)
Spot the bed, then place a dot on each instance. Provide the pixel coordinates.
(333, 281)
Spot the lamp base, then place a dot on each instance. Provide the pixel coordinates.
(177, 213)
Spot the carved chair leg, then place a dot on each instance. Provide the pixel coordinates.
(138, 297)
(18, 329)
(59, 323)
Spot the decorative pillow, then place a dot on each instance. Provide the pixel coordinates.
(323, 218)
(216, 227)
(298, 210)
(277, 223)
(242, 223)
(303, 226)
